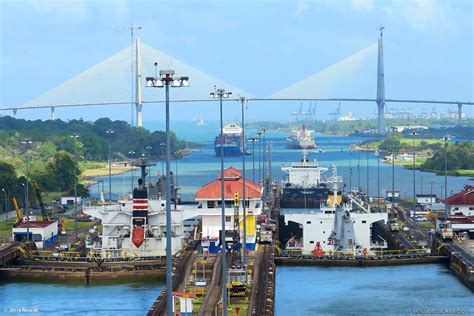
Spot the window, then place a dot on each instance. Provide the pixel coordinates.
(37, 237)
(228, 219)
(321, 222)
(311, 242)
(211, 204)
(364, 222)
(324, 232)
(308, 222)
(471, 208)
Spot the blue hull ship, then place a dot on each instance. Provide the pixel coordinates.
(232, 141)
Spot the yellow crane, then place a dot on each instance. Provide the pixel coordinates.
(19, 214)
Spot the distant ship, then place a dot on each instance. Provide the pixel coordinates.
(198, 121)
(301, 139)
(232, 141)
(302, 186)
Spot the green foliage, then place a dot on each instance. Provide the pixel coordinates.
(391, 144)
(93, 143)
(460, 157)
(51, 155)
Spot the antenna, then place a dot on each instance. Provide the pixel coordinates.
(381, 28)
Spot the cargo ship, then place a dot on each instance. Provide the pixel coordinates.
(302, 186)
(342, 225)
(301, 139)
(232, 141)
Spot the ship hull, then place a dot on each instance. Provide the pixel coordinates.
(296, 144)
(301, 198)
(228, 151)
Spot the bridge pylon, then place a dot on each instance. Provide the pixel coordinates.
(138, 94)
(53, 114)
(459, 114)
(380, 86)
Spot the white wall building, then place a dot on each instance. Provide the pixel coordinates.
(209, 209)
(43, 233)
(425, 199)
(69, 200)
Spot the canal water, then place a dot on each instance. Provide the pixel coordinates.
(400, 290)
(300, 290)
(202, 167)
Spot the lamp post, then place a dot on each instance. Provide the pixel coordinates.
(222, 94)
(414, 184)
(6, 204)
(148, 149)
(253, 139)
(259, 133)
(378, 180)
(75, 137)
(358, 168)
(131, 154)
(431, 193)
(243, 101)
(27, 142)
(367, 156)
(166, 79)
(446, 139)
(162, 145)
(109, 133)
(350, 170)
(269, 150)
(264, 155)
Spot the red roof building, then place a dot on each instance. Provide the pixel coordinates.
(465, 197)
(233, 183)
(35, 224)
(462, 203)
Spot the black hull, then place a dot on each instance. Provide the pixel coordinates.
(295, 198)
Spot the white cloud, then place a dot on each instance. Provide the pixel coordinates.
(302, 9)
(362, 5)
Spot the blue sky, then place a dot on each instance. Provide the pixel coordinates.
(258, 46)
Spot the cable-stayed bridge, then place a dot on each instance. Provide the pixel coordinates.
(108, 83)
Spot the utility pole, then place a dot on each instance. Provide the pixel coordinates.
(109, 133)
(414, 185)
(75, 137)
(27, 142)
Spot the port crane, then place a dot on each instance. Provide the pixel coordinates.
(337, 113)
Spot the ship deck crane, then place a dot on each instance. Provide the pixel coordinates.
(42, 206)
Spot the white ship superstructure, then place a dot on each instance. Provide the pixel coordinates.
(301, 139)
(344, 227)
(137, 228)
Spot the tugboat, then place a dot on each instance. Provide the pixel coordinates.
(301, 139)
(232, 141)
(302, 186)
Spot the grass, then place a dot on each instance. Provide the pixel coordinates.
(462, 173)
(97, 169)
(80, 225)
(6, 227)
